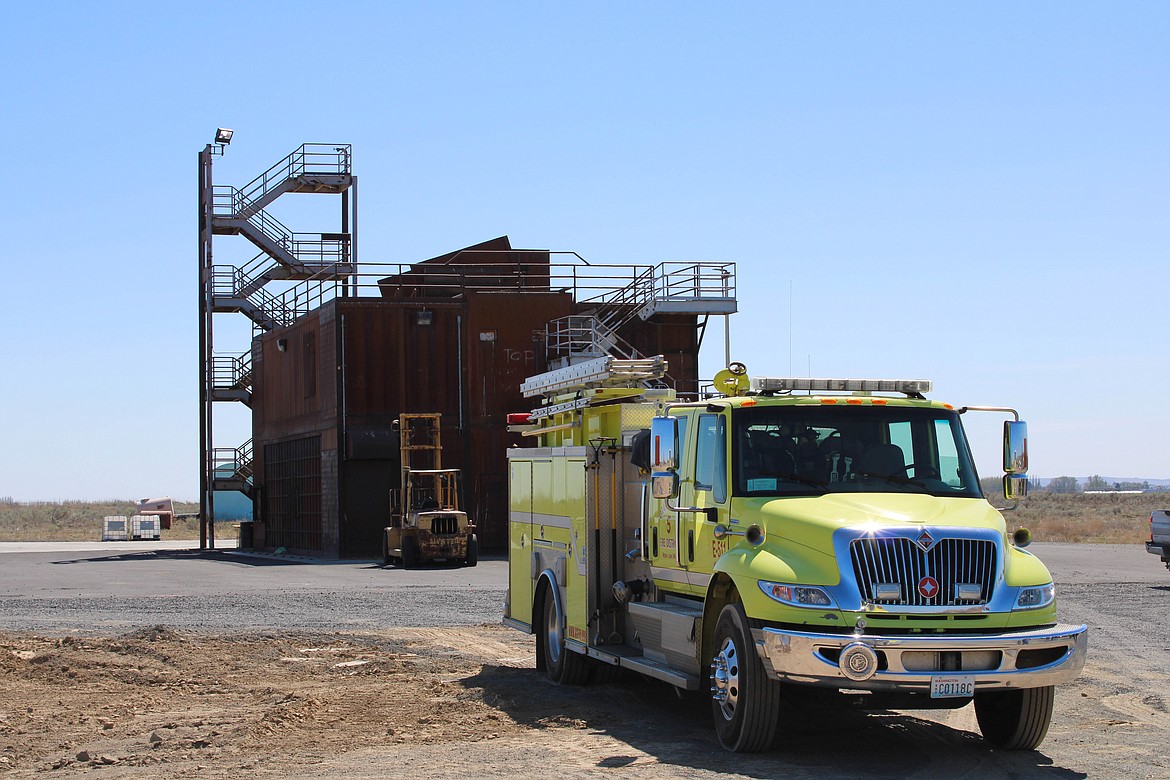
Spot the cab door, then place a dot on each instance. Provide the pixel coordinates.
(710, 490)
(666, 555)
(682, 542)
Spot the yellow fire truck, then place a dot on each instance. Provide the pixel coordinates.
(780, 533)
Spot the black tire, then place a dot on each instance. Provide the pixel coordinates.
(744, 700)
(387, 558)
(562, 665)
(472, 551)
(604, 673)
(1015, 719)
(409, 552)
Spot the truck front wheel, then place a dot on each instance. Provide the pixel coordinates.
(561, 664)
(1015, 719)
(744, 700)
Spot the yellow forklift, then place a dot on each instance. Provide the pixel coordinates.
(426, 522)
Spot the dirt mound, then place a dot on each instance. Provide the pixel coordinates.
(241, 703)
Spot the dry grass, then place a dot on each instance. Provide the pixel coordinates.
(1078, 517)
(76, 521)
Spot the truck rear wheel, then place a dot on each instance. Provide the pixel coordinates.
(744, 700)
(562, 665)
(1015, 719)
(472, 551)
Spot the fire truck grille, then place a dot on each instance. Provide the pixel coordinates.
(896, 571)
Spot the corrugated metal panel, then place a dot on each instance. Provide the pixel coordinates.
(504, 344)
(377, 358)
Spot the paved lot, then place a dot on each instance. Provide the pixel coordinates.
(116, 585)
(61, 586)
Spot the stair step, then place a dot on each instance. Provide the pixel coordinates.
(631, 658)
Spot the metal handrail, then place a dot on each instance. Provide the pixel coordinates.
(227, 201)
(627, 288)
(232, 372)
(237, 460)
(306, 158)
(695, 280)
(585, 336)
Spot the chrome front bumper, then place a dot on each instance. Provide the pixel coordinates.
(1013, 659)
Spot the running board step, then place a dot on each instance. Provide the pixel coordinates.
(630, 658)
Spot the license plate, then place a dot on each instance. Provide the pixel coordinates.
(952, 686)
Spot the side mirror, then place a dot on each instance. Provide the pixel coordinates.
(1015, 486)
(664, 457)
(1015, 447)
(664, 484)
(664, 444)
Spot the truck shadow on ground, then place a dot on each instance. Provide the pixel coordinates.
(813, 739)
(185, 555)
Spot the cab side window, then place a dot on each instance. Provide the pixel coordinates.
(711, 456)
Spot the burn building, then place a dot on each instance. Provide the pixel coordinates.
(328, 375)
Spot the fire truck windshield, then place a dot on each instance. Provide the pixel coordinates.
(811, 450)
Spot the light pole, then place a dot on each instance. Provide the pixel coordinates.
(223, 137)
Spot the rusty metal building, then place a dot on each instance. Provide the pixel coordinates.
(456, 335)
(335, 359)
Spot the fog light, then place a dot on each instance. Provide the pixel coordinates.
(968, 591)
(887, 591)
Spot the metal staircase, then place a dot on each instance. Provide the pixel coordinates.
(303, 254)
(232, 468)
(316, 168)
(309, 260)
(700, 288)
(232, 378)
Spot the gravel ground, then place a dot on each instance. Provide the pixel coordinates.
(284, 669)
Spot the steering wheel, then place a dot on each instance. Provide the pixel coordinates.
(928, 472)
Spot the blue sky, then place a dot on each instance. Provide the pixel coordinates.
(974, 193)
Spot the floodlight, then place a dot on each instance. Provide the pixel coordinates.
(223, 135)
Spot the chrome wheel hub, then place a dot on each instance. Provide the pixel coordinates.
(725, 678)
(552, 625)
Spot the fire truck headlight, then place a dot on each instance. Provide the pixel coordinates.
(1032, 598)
(798, 595)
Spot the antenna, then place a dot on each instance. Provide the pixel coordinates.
(790, 327)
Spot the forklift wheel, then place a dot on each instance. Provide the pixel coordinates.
(409, 552)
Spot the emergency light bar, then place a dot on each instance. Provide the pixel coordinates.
(770, 384)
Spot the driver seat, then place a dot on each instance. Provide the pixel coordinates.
(883, 460)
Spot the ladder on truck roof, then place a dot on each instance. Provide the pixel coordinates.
(602, 372)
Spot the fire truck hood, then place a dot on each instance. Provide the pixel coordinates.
(811, 521)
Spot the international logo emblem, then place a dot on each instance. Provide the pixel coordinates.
(925, 541)
(927, 587)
